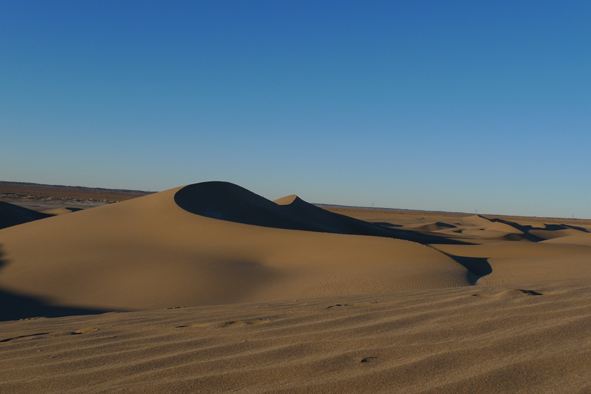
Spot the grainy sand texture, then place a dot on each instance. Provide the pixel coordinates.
(211, 288)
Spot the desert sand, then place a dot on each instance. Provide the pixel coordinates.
(212, 288)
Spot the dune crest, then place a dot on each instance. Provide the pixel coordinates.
(286, 200)
(229, 202)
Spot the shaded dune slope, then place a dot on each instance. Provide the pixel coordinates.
(12, 215)
(226, 201)
(149, 253)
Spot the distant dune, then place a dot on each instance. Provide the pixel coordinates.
(234, 292)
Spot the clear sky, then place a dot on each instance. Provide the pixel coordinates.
(438, 105)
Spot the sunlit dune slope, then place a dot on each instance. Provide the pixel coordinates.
(151, 253)
(575, 239)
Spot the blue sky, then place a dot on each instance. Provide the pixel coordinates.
(455, 105)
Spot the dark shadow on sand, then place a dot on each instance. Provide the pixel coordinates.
(16, 306)
(72, 209)
(12, 215)
(386, 224)
(477, 266)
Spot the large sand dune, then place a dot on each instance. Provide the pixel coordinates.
(232, 292)
(160, 251)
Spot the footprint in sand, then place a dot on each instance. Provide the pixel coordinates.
(357, 304)
(336, 305)
(195, 325)
(368, 360)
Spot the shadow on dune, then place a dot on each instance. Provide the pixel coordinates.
(477, 266)
(17, 307)
(226, 201)
(553, 227)
(73, 209)
(11, 215)
(14, 306)
(386, 224)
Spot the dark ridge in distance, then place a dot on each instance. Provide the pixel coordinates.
(76, 187)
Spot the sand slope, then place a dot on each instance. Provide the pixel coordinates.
(458, 340)
(577, 239)
(158, 251)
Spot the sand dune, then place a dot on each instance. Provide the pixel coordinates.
(476, 220)
(232, 292)
(551, 234)
(430, 227)
(480, 228)
(518, 262)
(150, 253)
(515, 249)
(576, 239)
